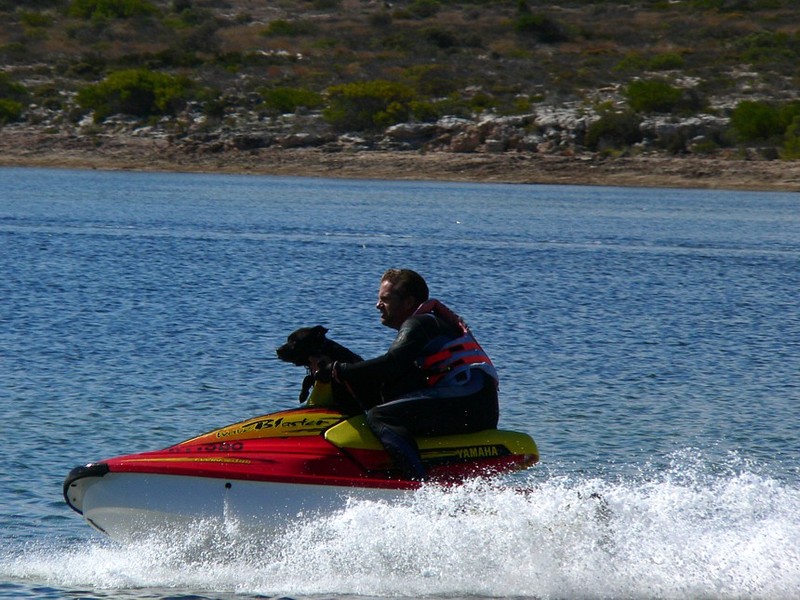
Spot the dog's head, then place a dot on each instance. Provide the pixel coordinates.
(302, 344)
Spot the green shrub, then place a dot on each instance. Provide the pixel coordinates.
(631, 62)
(326, 4)
(482, 101)
(769, 46)
(634, 62)
(10, 110)
(791, 141)
(761, 121)
(202, 38)
(423, 9)
(545, 29)
(614, 130)
(788, 112)
(110, 9)
(380, 19)
(10, 89)
(13, 95)
(368, 105)
(754, 120)
(48, 96)
(453, 106)
(666, 61)
(282, 27)
(440, 37)
(35, 19)
(431, 80)
(652, 95)
(190, 17)
(288, 100)
(398, 41)
(137, 92)
(427, 112)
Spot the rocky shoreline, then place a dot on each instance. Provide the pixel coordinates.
(29, 146)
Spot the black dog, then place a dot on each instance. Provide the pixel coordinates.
(307, 342)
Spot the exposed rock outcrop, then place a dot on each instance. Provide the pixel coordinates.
(546, 146)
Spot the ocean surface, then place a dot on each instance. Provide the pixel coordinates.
(649, 340)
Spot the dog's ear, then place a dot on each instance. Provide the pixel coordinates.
(319, 331)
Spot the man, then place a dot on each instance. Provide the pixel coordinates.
(434, 380)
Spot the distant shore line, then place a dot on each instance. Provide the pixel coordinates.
(145, 154)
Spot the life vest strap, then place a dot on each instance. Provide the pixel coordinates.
(454, 347)
(454, 358)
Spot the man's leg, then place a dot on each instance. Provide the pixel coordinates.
(387, 422)
(396, 423)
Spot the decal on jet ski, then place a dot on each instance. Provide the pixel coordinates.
(478, 452)
(466, 452)
(212, 447)
(284, 424)
(196, 459)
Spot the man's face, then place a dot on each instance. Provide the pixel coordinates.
(394, 308)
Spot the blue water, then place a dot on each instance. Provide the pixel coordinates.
(648, 339)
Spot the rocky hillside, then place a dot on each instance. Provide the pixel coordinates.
(668, 77)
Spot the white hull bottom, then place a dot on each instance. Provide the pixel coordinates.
(127, 506)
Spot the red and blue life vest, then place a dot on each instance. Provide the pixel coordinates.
(449, 362)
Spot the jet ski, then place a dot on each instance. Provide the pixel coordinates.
(266, 471)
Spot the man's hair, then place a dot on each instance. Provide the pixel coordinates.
(407, 283)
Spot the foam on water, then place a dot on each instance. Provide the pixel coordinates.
(683, 533)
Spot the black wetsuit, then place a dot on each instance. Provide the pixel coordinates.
(399, 402)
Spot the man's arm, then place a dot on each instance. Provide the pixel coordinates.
(407, 346)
